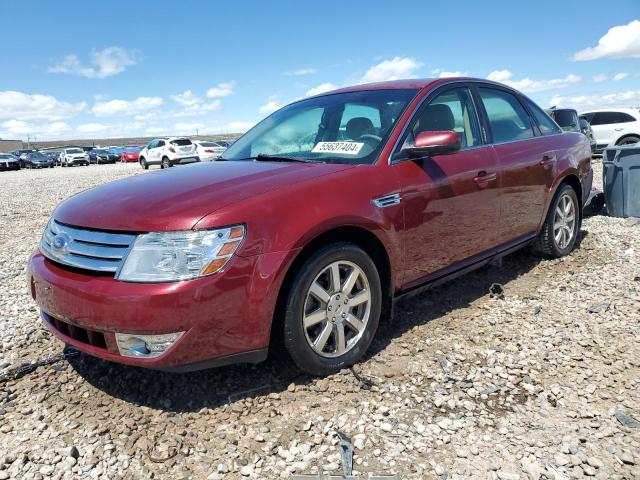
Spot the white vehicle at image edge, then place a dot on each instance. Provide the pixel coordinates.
(209, 151)
(614, 126)
(73, 156)
(168, 152)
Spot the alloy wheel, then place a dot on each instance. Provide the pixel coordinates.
(337, 309)
(564, 222)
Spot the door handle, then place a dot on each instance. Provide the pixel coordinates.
(483, 178)
(619, 129)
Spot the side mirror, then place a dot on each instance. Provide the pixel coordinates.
(428, 144)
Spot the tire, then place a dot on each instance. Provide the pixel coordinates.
(552, 243)
(143, 163)
(165, 163)
(316, 270)
(631, 139)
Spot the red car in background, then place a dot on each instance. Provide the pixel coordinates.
(310, 226)
(130, 154)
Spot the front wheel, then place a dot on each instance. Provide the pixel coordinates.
(560, 230)
(144, 164)
(332, 309)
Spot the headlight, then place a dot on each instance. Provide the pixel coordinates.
(183, 255)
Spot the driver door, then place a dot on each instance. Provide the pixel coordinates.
(451, 207)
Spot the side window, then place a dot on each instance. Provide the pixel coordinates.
(545, 124)
(160, 143)
(358, 120)
(451, 110)
(609, 118)
(625, 117)
(507, 117)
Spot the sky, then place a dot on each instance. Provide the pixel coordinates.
(78, 69)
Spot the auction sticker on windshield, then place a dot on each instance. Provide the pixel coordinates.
(344, 148)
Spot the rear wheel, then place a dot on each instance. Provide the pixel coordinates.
(560, 230)
(333, 309)
(630, 140)
(165, 162)
(143, 163)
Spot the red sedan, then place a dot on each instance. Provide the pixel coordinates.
(311, 226)
(130, 154)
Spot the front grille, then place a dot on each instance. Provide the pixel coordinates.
(91, 250)
(84, 335)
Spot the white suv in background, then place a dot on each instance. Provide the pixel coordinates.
(614, 126)
(209, 151)
(168, 152)
(73, 156)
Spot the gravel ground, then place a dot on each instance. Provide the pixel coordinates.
(530, 382)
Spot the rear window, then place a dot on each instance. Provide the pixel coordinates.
(181, 142)
(209, 144)
(565, 118)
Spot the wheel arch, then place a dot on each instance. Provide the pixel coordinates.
(625, 136)
(357, 235)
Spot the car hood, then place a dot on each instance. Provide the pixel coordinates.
(176, 198)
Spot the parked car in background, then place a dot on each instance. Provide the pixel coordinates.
(209, 151)
(585, 128)
(9, 162)
(566, 118)
(98, 156)
(38, 160)
(310, 227)
(168, 152)
(53, 156)
(21, 153)
(614, 126)
(225, 143)
(73, 156)
(130, 154)
(115, 151)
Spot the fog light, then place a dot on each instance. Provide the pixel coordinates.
(145, 346)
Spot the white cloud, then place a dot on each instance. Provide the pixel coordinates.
(186, 98)
(620, 76)
(604, 100)
(301, 71)
(24, 106)
(621, 41)
(155, 130)
(125, 107)
(22, 129)
(269, 107)
(104, 63)
(322, 88)
(193, 105)
(92, 127)
(599, 78)
(445, 74)
(529, 85)
(188, 128)
(223, 89)
(393, 69)
(238, 127)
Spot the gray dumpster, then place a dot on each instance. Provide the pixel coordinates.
(621, 180)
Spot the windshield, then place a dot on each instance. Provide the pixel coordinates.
(37, 156)
(347, 127)
(74, 150)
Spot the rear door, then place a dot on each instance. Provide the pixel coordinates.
(527, 162)
(450, 202)
(158, 150)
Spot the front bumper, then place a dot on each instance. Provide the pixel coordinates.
(226, 317)
(77, 161)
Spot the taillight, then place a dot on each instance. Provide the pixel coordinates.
(171, 149)
(208, 150)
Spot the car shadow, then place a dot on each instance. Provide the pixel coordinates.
(190, 392)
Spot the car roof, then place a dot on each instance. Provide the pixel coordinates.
(635, 111)
(410, 84)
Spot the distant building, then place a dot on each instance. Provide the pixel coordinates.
(9, 145)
